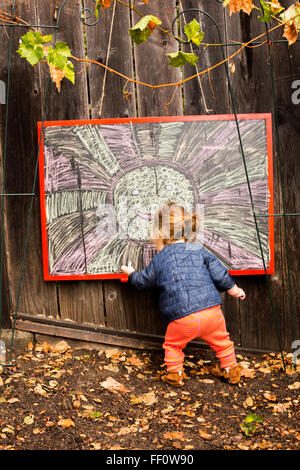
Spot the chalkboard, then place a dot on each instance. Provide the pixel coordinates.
(100, 181)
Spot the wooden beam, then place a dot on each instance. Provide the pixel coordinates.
(102, 335)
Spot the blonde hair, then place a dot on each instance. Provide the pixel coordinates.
(173, 222)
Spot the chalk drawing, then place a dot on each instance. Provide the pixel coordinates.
(137, 165)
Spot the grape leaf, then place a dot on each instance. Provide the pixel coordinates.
(290, 32)
(69, 72)
(58, 56)
(178, 59)
(144, 28)
(31, 47)
(292, 14)
(269, 9)
(291, 28)
(237, 5)
(192, 31)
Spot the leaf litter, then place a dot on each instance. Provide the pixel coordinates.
(56, 397)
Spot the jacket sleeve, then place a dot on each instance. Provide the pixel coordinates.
(145, 279)
(218, 273)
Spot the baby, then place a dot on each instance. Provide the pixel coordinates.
(188, 278)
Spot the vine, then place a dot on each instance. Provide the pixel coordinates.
(38, 48)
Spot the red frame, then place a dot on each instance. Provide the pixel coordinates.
(123, 277)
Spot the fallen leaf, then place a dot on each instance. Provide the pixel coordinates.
(66, 423)
(13, 400)
(127, 430)
(248, 402)
(39, 390)
(294, 386)
(135, 361)
(111, 368)
(8, 429)
(113, 386)
(207, 381)
(36, 431)
(204, 435)
(246, 372)
(174, 435)
(61, 347)
(148, 398)
(96, 445)
(28, 419)
(269, 396)
(53, 384)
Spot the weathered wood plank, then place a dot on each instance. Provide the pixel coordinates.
(24, 111)
(124, 307)
(108, 43)
(207, 94)
(286, 64)
(252, 91)
(80, 300)
(152, 64)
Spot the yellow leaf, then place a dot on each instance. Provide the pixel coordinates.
(28, 419)
(290, 32)
(66, 423)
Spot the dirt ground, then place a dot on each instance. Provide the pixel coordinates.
(58, 398)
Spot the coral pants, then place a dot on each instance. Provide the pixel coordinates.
(209, 325)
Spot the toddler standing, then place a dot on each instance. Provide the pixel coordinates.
(189, 279)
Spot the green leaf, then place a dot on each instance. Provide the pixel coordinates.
(143, 29)
(58, 56)
(32, 37)
(253, 418)
(69, 72)
(47, 38)
(97, 8)
(178, 59)
(267, 11)
(32, 53)
(192, 31)
(31, 47)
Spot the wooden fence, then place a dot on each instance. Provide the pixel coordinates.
(110, 311)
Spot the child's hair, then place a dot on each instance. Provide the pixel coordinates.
(173, 222)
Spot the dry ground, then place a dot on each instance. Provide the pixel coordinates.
(58, 398)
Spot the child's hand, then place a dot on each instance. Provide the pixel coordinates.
(237, 292)
(127, 269)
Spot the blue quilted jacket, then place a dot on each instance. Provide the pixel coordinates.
(187, 277)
